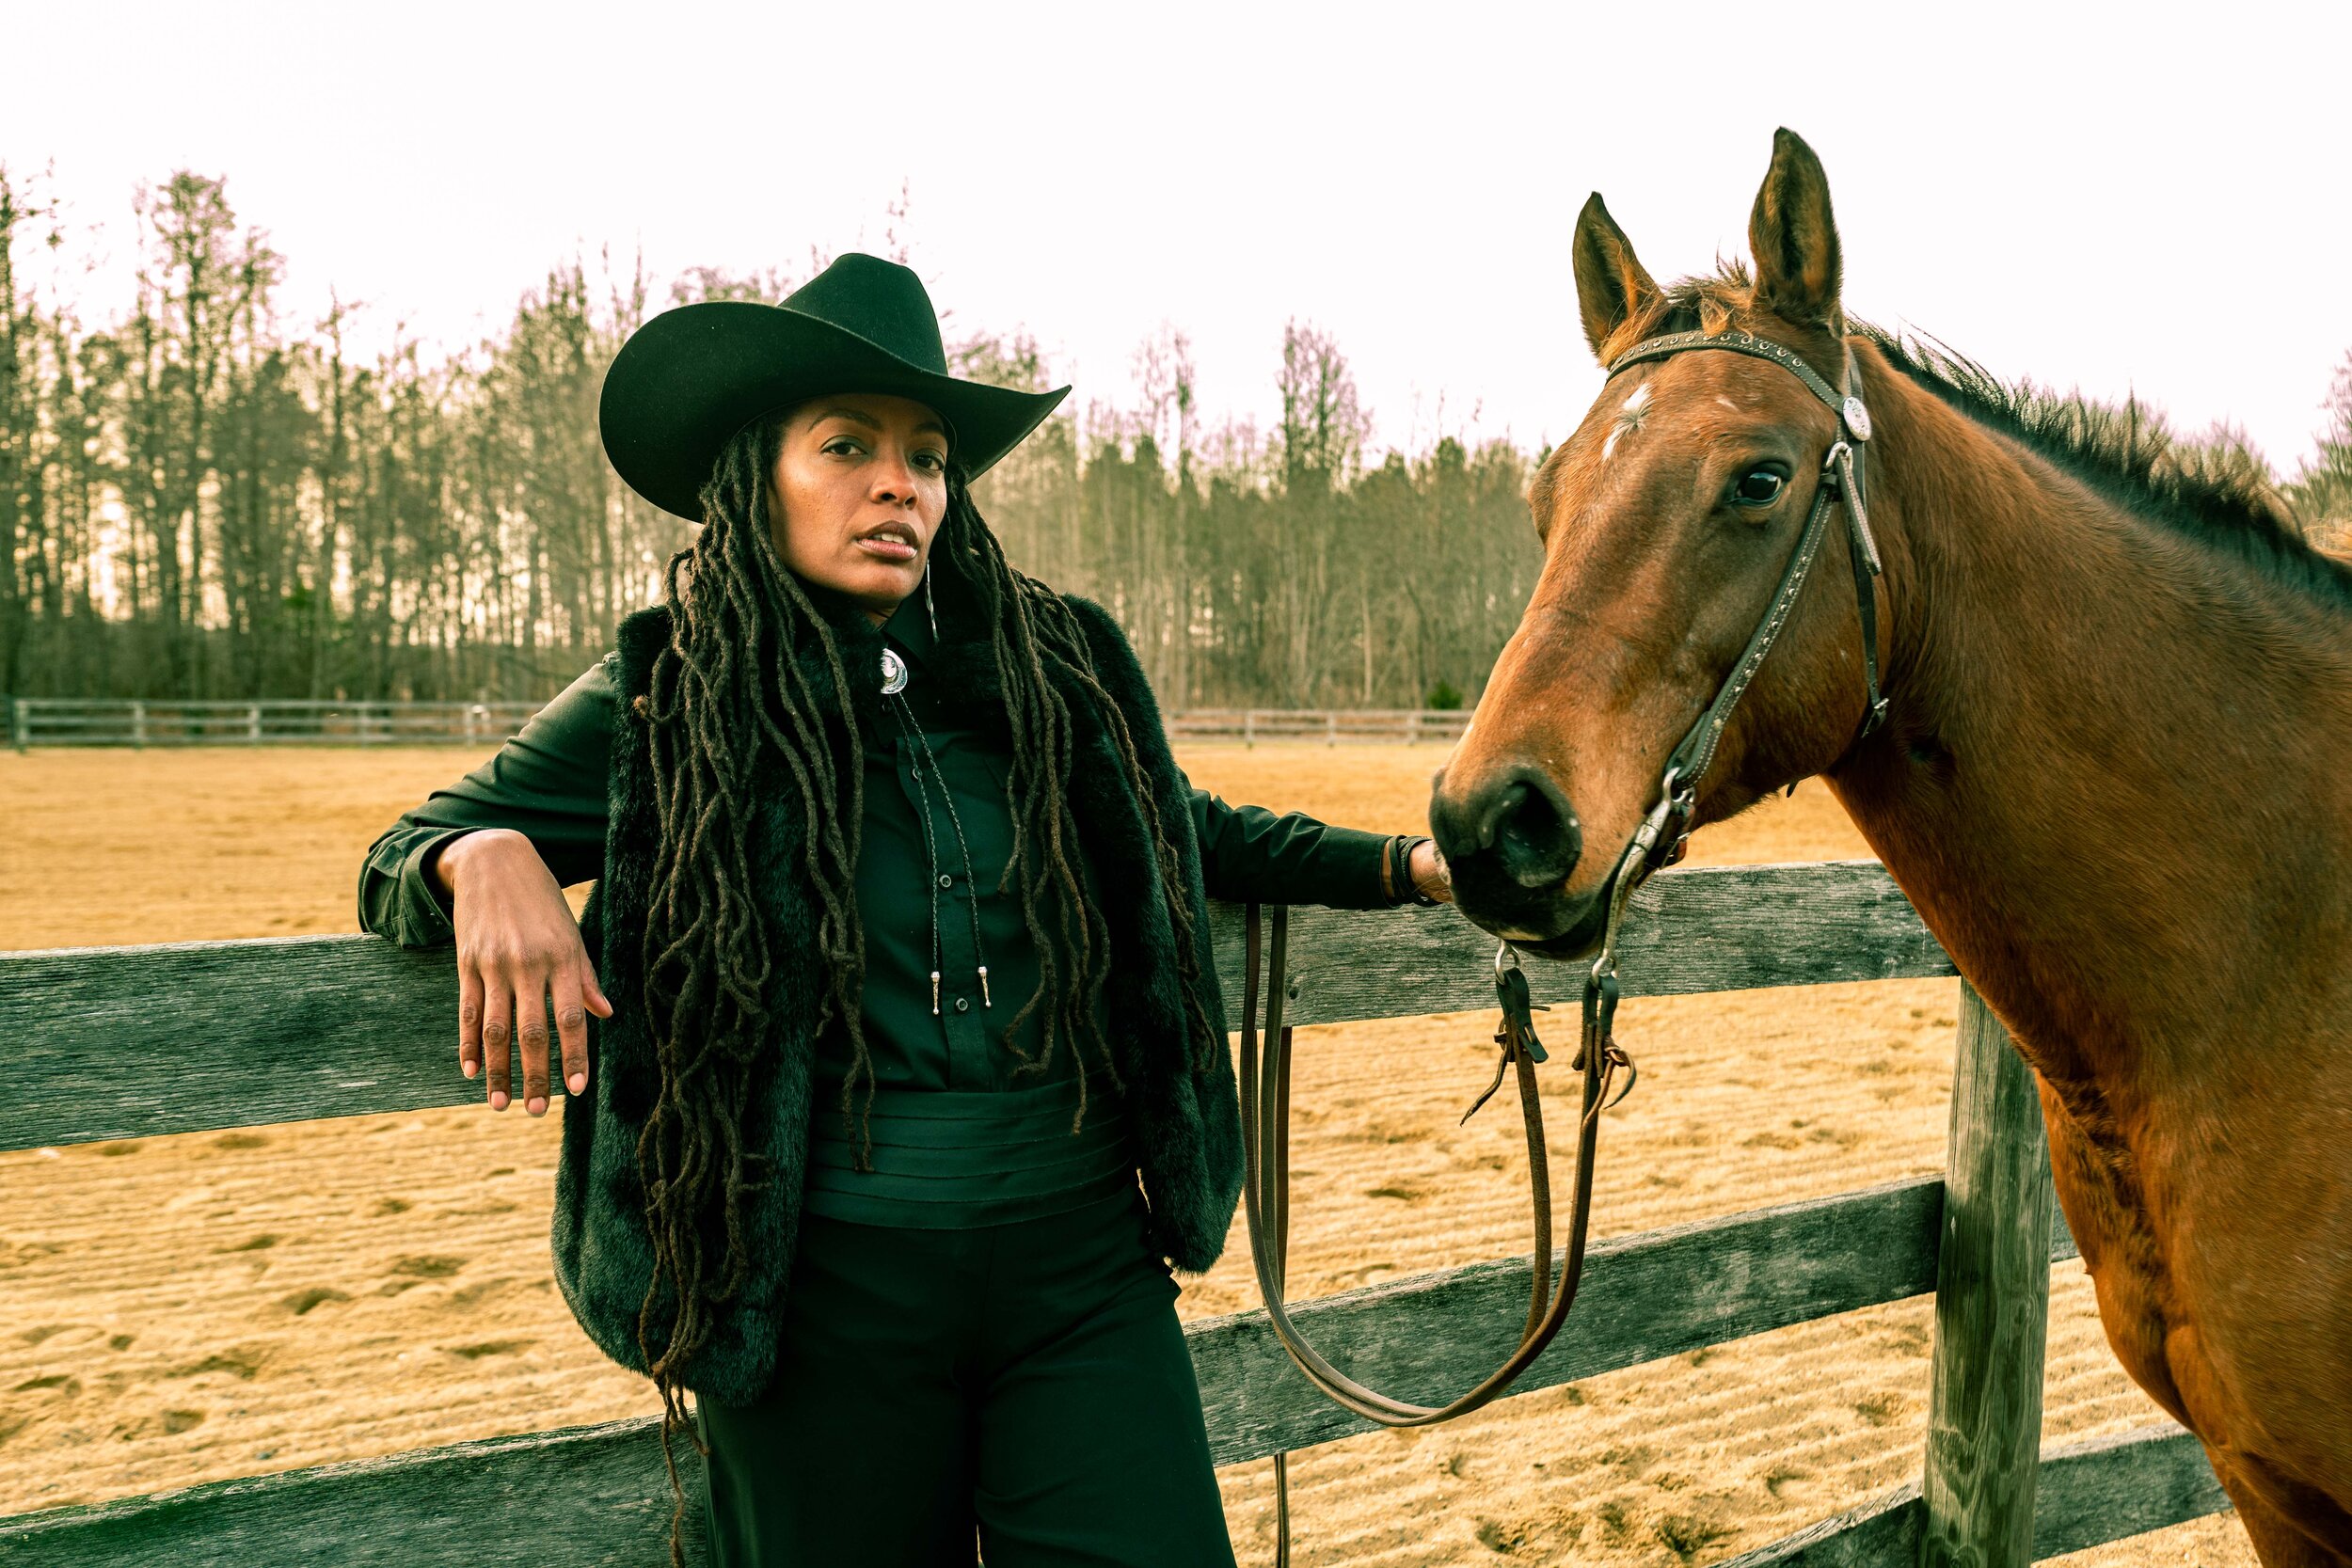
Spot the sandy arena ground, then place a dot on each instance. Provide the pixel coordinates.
(182, 1309)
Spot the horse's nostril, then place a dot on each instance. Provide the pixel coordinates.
(1518, 822)
(1537, 838)
(1499, 807)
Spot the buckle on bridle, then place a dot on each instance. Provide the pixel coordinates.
(1664, 835)
(1837, 469)
(1516, 1033)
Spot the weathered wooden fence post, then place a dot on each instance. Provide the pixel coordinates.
(20, 725)
(1992, 1309)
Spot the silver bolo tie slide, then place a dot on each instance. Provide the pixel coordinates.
(895, 681)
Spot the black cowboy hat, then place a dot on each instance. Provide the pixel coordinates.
(689, 379)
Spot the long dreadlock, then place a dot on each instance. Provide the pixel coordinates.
(727, 688)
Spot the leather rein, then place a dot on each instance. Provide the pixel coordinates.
(1265, 1061)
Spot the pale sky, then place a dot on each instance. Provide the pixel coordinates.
(2121, 197)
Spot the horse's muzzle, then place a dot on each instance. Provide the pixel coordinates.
(1511, 840)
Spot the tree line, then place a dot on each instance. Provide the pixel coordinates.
(198, 502)
(2321, 491)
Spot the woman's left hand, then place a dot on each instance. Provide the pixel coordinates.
(1429, 872)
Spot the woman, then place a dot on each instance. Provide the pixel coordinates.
(900, 908)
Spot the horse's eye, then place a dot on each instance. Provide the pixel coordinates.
(1758, 486)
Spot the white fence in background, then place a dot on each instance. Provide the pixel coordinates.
(1330, 725)
(69, 722)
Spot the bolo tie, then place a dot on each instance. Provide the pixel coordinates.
(894, 685)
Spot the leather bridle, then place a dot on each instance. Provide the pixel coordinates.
(1265, 1070)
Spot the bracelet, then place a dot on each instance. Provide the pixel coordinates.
(1400, 869)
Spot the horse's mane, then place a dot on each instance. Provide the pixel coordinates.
(2219, 493)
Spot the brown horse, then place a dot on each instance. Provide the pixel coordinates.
(2114, 775)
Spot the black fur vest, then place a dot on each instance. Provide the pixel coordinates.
(1186, 1125)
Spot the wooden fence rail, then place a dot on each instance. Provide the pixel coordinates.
(138, 723)
(132, 1043)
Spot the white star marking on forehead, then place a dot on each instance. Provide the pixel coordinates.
(1629, 419)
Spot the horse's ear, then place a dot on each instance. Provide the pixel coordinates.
(1611, 284)
(1794, 238)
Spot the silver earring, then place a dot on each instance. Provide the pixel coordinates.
(928, 608)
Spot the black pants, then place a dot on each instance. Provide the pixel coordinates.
(1023, 1385)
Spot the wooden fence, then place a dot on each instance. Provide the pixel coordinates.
(357, 1025)
(72, 722)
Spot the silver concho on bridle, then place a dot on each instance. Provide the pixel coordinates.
(894, 673)
(1857, 419)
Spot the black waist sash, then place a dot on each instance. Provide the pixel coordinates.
(946, 1159)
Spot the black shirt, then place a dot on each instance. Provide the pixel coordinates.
(548, 783)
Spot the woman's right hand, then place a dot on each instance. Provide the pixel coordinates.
(517, 947)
